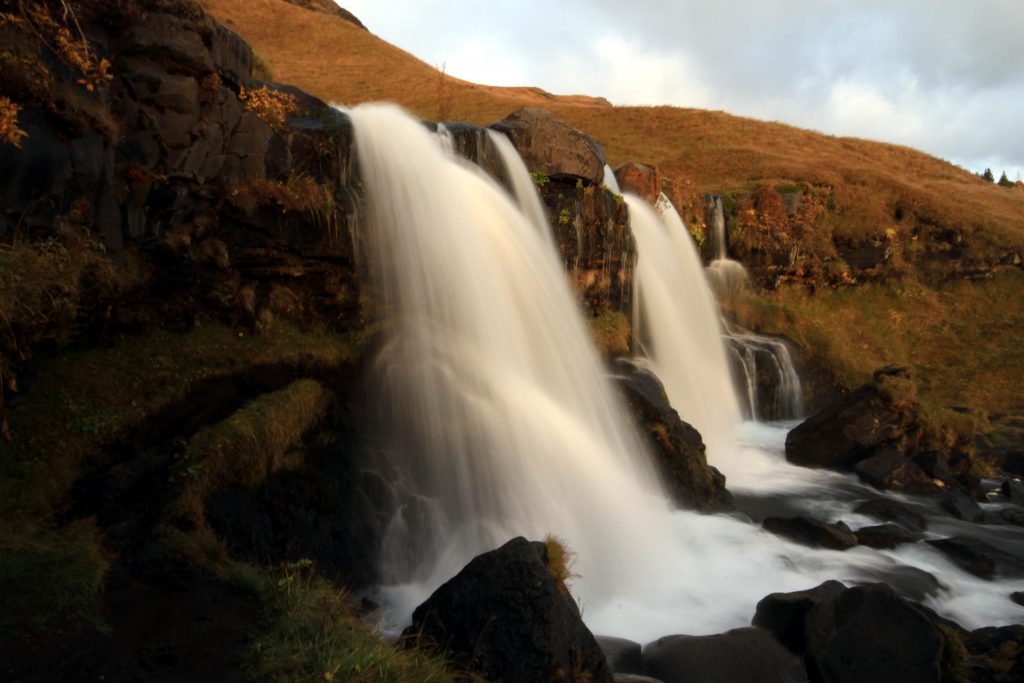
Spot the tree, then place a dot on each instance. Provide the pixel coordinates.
(987, 175)
(1004, 181)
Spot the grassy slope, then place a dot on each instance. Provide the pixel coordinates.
(706, 151)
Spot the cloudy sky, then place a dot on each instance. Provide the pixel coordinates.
(944, 76)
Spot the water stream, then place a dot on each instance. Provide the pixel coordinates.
(507, 425)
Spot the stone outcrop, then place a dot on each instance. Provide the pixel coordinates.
(744, 654)
(641, 180)
(505, 617)
(551, 147)
(678, 449)
(811, 532)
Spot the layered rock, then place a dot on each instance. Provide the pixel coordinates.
(551, 147)
(641, 180)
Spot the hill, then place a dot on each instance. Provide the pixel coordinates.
(891, 256)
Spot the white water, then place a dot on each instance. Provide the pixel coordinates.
(610, 181)
(523, 189)
(677, 326)
(508, 427)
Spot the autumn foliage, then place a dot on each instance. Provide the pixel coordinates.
(272, 106)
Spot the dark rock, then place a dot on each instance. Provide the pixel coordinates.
(744, 654)
(168, 39)
(550, 146)
(1007, 516)
(677, 447)
(639, 179)
(1013, 491)
(887, 469)
(623, 655)
(505, 617)
(979, 557)
(910, 582)
(845, 432)
(812, 532)
(886, 536)
(633, 678)
(934, 463)
(869, 634)
(962, 507)
(894, 511)
(785, 614)
(1018, 597)
(232, 56)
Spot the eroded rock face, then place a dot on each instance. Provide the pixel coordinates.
(640, 179)
(550, 146)
(505, 617)
(677, 447)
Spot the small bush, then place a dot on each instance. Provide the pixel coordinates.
(271, 106)
(560, 560)
(9, 131)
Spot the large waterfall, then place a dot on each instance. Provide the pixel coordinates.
(505, 424)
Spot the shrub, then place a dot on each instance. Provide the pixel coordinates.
(271, 106)
(560, 560)
(9, 131)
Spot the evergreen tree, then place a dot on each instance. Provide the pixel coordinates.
(987, 175)
(1004, 181)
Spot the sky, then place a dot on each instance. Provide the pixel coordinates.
(942, 76)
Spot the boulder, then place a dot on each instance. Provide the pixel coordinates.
(784, 615)
(1013, 491)
(744, 654)
(980, 557)
(552, 147)
(887, 469)
(893, 511)
(634, 678)
(677, 447)
(845, 432)
(812, 532)
(962, 507)
(886, 536)
(1006, 515)
(623, 655)
(505, 617)
(869, 634)
(640, 179)
(1018, 597)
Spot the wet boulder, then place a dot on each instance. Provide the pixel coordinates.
(962, 507)
(623, 655)
(784, 615)
(886, 536)
(744, 654)
(1013, 491)
(980, 557)
(550, 146)
(811, 532)
(887, 469)
(505, 617)
(677, 447)
(893, 511)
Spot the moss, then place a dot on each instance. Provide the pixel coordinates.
(611, 332)
(49, 578)
(253, 443)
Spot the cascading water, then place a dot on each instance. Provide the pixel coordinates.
(506, 424)
(610, 181)
(490, 380)
(521, 183)
(677, 324)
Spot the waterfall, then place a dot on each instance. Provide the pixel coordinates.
(610, 181)
(677, 324)
(498, 401)
(521, 183)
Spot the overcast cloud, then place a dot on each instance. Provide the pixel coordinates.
(943, 76)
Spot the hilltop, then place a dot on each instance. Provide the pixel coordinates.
(866, 253)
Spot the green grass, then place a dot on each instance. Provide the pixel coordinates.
(312, 634)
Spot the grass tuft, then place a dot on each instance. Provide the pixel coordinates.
(560, 560)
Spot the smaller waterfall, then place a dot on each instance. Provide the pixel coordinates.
(522, 186)
(610, 181)
(766, 379)
(444, 136)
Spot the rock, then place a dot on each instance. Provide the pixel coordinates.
(1013, 491)
(165, 37)
(962, 507)
(640, 179)
(504, 616)
(869, 634)
(845, 432)
(550, 146)
(979, 557)
(1018, 597)
(893, 511)
(934, 463)
(812, 532)
(886, 536)
(784, 615)
(887, 469)
(633, 678)
(744, 654)
(1006, 515)
(677, 448)
(623, 655)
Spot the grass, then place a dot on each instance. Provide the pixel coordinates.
(312, 634)
(560, 560)
(611, 332)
